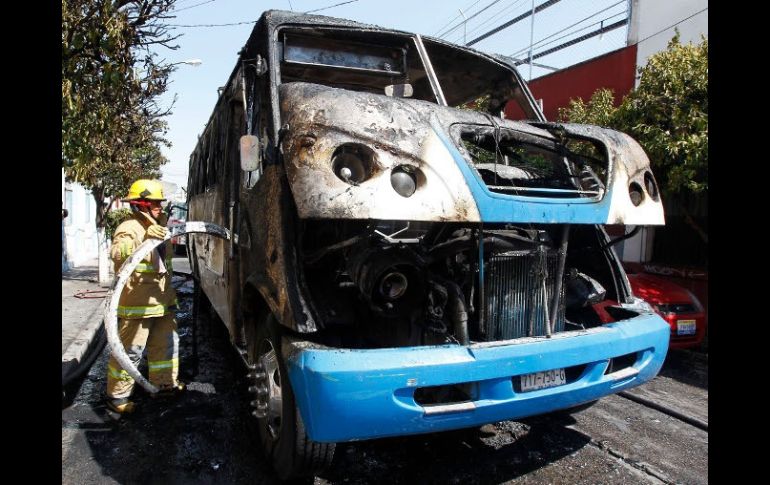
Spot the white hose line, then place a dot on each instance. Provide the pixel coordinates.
(113, 296)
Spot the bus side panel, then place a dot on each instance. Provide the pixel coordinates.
(270, 264)
(211, 252)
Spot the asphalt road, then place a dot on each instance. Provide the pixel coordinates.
(207, 435)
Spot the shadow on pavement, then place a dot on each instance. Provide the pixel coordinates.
(687, 367)
(491, 454)
(83, 273)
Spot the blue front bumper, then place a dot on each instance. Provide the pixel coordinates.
(346, 395)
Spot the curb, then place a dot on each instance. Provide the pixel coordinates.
(73, 357)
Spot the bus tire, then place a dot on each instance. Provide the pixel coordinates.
(281, 431)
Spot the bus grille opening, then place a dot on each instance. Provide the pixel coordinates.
(517, 301)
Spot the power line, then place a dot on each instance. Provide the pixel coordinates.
(570, 26)
(331, 6)
(193, 6)
(540, 43)
(500, 13)
(605, 30)
(453, 19)
(521, 17)
(577, 40)
(251, 22)
(672, 25)
(535, 64)
(213, 25)
(469, 18)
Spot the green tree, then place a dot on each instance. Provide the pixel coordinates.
(667, 114)
(112, 126)
(599, 110)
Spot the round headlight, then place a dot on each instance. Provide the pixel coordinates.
(353, 163)
(403, 181)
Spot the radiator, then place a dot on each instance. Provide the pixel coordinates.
(514, 297)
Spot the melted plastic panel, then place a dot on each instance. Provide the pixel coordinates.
(347, 155)
(572, 174)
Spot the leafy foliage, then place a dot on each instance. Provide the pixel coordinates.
(599, 110)
(112, 127)
(480, 104)
(113, 220)
(667, 114)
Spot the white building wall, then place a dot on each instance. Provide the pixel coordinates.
(637, 249)
(79, 242)
(653, 23)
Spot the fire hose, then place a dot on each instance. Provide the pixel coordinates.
(113, 296)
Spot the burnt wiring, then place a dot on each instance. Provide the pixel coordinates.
(622, 238)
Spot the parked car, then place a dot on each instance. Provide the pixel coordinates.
(677, 305)
(177, 217)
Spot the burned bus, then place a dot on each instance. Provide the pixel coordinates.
(404, 259)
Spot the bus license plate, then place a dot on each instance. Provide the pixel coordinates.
(685, 327)
(542, 380)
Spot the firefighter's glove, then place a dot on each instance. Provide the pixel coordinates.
(156, 231)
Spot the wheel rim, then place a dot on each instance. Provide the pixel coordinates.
(269, 394)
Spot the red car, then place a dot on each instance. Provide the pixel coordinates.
(677, 305)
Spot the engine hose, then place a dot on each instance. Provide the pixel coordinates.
(623, 237)
(457, 312)
(113, 296)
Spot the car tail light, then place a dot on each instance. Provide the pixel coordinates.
(671, 319)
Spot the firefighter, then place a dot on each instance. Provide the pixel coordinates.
(146, 306)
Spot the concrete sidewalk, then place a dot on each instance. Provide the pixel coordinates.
(81, 318)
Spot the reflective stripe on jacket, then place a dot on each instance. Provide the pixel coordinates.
(148, 292)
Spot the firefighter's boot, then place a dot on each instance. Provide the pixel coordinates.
(121, 405)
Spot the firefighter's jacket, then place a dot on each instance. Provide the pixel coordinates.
(148, 292)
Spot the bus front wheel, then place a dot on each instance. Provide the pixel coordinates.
(281, 430)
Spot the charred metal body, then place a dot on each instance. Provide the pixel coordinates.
(429, 265)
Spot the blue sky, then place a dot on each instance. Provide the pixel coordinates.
(195, 87)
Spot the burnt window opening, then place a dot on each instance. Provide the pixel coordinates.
(318, 53)
(353, 60)
(370, 61)
(509, 165)
(469, 79)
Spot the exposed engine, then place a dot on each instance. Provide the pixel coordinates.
(396, 283)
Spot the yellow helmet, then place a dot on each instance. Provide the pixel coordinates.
(145, 189)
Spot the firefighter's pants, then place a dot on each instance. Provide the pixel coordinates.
(159, 336)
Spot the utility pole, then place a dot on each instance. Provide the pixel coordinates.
(465, 26)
